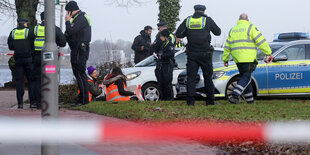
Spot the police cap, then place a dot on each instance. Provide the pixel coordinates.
(199, 7)
(160, 24)
(165, 33)
(22, 20)
(72, 6)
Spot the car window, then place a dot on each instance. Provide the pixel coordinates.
(217, 56)
(181, 60)
(261, 54)
(296, 52)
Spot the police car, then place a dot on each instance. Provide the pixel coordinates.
(288, 74)
(143, 73)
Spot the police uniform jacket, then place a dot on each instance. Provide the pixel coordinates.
(23, 47)
(198, 40)
(60, 37)
(78, 30)
(167, 52)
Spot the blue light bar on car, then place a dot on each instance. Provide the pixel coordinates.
(291, 36)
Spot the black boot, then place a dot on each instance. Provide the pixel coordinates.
(33, 106)
(233, 99)
(20, 106)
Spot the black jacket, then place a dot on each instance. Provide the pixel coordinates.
(157, 44)
(167, 52)
(22, 48)
(141, 40)
(79, 31)
(198, 40)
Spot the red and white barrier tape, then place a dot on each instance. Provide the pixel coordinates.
(63, 131)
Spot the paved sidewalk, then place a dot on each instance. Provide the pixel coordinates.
(106, 148)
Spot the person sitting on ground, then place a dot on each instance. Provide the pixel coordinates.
(116, 85)
(93, 89)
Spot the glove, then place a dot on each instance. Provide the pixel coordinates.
(269, 59)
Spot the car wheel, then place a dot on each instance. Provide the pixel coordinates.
(150, 92)
(231, 86)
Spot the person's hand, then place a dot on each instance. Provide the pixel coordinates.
(142, 48)
(68, 16)
(226, 64)
(269, 59)
(159, 57)
(155, 56)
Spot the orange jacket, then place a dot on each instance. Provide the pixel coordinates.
(113, 94)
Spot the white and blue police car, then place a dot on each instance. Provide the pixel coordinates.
(288, 74)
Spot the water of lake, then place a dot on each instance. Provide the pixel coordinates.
(66, 76)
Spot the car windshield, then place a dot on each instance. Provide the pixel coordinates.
(274, 48)
(150, 61)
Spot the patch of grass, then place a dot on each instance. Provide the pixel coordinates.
(262, 110)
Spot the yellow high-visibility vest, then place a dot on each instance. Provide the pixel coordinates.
(85, 15)
(39, 33)
(20, 34)
(196, 23)
(242, 43)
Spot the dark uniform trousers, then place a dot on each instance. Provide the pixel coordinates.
(164, 75)
(79, 58)
(244, 84)
(23, 66)
(194, 61)
(36, 73)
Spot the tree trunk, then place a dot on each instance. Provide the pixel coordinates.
(27, 9)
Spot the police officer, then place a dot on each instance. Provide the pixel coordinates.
(21, 41)
(157, 44)
(242, 43)
(39, 34)
(78, 34)
(197, 29)
(164, 66)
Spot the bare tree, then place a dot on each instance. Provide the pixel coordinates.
(7, 7)
(23, 8)
(126, 3)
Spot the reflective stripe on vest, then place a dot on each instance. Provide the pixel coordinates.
(113, 94)
(39, 32)
(20, 34)
(172, 39)
(196, 23)
(85, 15)
(179, 45)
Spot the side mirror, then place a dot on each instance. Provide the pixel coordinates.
(280, 57)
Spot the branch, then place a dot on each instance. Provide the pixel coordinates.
(126, 3)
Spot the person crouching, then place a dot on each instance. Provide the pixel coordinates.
(93, 89)
(116, 85)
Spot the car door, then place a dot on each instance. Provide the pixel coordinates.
(291, 75)
(181, 60)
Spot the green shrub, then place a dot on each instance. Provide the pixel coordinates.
(68, 93)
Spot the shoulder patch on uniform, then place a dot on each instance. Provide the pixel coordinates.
(256, 29)
(72, 24)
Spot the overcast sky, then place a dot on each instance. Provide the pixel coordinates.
(270, 16)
